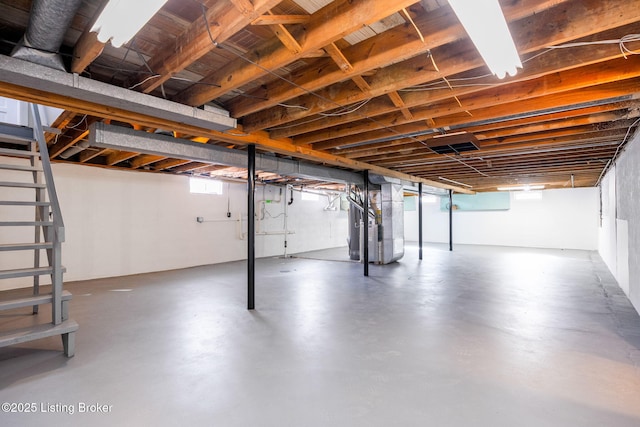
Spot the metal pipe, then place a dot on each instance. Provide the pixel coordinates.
(365, 246)
(251, 249)
(72, 151)
(48, 24)
(450, 220)
(420, 220)
(286, 213)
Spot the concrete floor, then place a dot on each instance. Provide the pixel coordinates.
(482, 336)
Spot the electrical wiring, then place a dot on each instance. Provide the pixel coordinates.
(77, 125)
(453, 86)
(622, 42)
(323, 98)
(144, 81)
(615, 155)
(345, 112)
(292, 106)
(296, 124)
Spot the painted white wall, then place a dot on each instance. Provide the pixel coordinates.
(607, 241)
(562, 218)
(620, 229)
(16, 112)
(121, 222)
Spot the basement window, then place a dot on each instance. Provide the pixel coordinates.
(205, 186)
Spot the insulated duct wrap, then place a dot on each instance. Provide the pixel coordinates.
(392, 222)
(48, 23)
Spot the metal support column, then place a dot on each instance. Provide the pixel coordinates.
(420, 220)
(251, 231)
(450, 220)
(365, 221)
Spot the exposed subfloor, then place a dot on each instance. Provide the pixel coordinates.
(482, 336)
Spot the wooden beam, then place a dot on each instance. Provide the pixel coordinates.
(190, 166)
(338, 57)
(245, 7)
(500, 128)
(145, 160)
(119, 156)
(398, 102)
(89, 154)
(282, 146)
(223, 20)
(549, 63)
(61, 123)
(60, 146)
(86, 50)
(287, 39)
(169, 163)
(458, 58)
(394, 45)
(567, 81)
(281, 19)
(325, 26)
(361, 83)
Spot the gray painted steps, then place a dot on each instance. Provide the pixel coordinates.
(67, 329)
(23, 203)
(25, 246)
(22, 184)
(18, 153)
(26, 223)
(25, 272)
(32, 300)
(21, 168)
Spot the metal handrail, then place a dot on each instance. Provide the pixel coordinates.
(38, 134)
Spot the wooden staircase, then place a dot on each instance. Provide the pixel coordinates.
(23, 152)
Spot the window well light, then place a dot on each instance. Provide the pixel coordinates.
(485, 24)
(120, 20)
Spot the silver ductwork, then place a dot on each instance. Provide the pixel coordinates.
(385, 221)
(48, 23)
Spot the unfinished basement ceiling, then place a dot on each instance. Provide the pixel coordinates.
(352, 84)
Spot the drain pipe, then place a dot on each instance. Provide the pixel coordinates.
(48, 24)
(286, 215)
(72, 151)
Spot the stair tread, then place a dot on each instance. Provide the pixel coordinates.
(22, 184)
(26, 223)
(31, 300)
(16, 134)
(23, 203)
(18, 153)
(25, 246)
(31, 333)
(26, 272)
(20, 168)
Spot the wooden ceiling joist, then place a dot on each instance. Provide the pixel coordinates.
(327, 25)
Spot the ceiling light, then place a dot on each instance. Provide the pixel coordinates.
(120, 20)
(484, 22)
(522, 188)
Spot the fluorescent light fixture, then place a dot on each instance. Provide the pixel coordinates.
(454, 182)
(120, 20)
(484, 22)
(522, 188)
